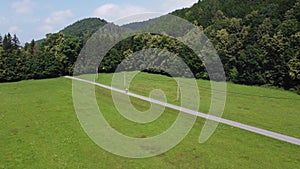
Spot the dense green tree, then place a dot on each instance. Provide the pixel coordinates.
(294, 62)
(44, 65)
(64, 48)
(7, 42)
(15, 42)
(1, 40)
(249, 66)
(32, 46)
(17, 63)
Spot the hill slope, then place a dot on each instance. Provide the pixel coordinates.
(257, 41)
(204, 11)
(84, 28)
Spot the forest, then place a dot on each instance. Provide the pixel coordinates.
(258, 43)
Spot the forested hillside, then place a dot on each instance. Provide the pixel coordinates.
(258, 42)
(84, 28)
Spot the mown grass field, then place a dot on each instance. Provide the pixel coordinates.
(39, 127)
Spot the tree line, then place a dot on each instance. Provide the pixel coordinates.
(258, 43)
(53, 58)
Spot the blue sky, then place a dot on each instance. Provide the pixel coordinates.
(33, 19)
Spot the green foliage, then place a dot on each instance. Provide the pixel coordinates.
(55, 57)
(159, 60)
(11, 59)
(44, 65)
(257, 41)
(63, 48)
(7, 42)
(84, 28)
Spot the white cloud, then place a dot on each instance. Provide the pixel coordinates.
(23, 7)
(59, 17)
(113, 12)
(15, 30)
(2, 20)
(46, 29)
(138, 18)
(55, 21)
(121, 14)
(171, 5)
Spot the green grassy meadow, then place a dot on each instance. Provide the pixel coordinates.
(39, 127)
